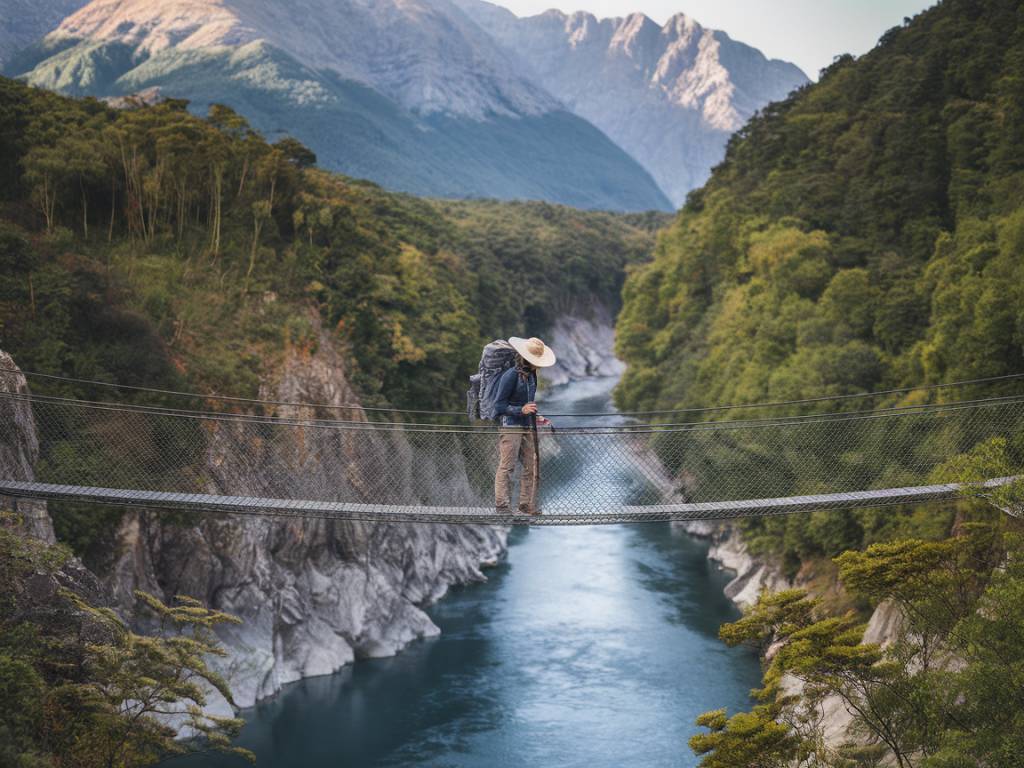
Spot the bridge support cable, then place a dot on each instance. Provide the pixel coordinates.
(308, 463)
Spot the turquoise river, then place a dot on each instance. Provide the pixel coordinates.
(588, 647)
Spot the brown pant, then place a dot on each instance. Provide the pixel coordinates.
(515, 443)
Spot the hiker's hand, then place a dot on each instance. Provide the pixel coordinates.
(529, 409)
(542, 421)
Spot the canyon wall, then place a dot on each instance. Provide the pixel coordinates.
(313, 595)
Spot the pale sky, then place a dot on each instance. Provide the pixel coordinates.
(807, 32)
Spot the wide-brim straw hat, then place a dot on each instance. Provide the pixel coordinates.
(534, 351)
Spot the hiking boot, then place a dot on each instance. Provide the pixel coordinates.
(502, 510)
(524, 509)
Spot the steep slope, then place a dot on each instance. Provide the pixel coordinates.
(863, 235)
(670, 94)
(24, 22)
(422, 54)
(410, 94)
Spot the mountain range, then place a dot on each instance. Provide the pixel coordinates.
(454, 98)
(669, 94)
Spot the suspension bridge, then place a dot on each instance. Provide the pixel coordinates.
(336, 460)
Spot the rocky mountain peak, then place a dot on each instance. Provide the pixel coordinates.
(425, 54)
(634, 35)
(669, 94)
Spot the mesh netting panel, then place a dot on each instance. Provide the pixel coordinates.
(297, 464)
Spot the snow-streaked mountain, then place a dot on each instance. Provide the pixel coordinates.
(669, 94)
(412, 94)
(424, 54)
(445, 97)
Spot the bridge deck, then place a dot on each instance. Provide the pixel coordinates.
(202, 502)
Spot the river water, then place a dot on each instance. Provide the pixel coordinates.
(588, 646)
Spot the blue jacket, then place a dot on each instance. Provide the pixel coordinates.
(513, 393)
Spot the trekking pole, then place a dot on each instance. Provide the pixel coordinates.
(536, 460)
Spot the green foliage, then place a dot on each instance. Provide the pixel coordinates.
(80, 688)
(945, 691)
(864, 234)
(751, 739)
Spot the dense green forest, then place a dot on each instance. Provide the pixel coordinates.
(864, 234)
(149, 246)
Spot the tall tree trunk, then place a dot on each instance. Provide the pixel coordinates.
(113, 207)
(217, 189)
(85, 209)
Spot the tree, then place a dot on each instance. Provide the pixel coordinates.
(86, 690)
(947, 690)
(297, 153)
(45, 170)
(86, 164)
(143, 690)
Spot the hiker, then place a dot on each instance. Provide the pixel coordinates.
(516, 410)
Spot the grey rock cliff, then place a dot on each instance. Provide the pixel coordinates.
(313, 594)
(39, 598)
(585, 347)
(19, 450)
(670, 95)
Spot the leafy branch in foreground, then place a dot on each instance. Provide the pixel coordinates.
(80, 688)
(946, 689)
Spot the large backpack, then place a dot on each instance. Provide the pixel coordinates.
(497, 357)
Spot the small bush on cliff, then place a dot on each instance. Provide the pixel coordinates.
(77, 687)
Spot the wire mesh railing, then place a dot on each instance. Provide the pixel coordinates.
(315, 461)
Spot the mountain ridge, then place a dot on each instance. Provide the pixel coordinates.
(432, 59)
(467, 99)
(671, 94)
(354, 128)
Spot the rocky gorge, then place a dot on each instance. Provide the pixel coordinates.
(313, 595)
(316, 595)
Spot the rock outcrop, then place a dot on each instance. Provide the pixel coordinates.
(19, 450)
(751, 574)
(313, 594)
(40, 597)
(584, 344)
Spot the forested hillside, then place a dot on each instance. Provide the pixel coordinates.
(864, 234)
(149, 246)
